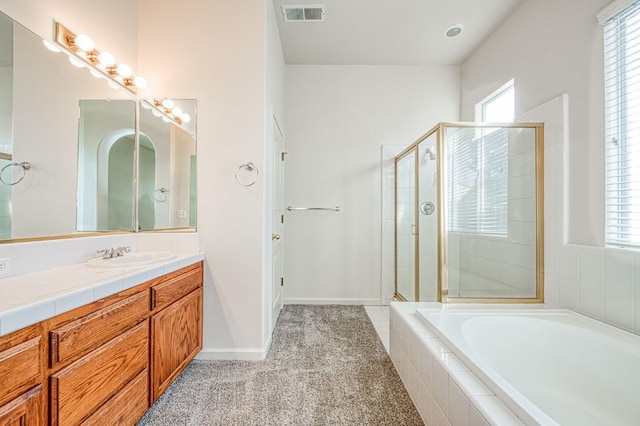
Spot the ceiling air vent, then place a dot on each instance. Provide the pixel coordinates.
(307, 13)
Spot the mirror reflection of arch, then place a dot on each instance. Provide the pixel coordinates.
(106, 170)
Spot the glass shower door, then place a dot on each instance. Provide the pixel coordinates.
(428, 219)
(406, 228)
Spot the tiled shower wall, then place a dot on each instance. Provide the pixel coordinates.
(603, 283)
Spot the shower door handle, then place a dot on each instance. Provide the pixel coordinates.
(413, 230)
(275, 237)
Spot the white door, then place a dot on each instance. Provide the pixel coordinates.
(278, 220)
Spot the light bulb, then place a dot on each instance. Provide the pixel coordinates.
(106, 59)
(167, 103)
(186, 118)
(84, 43)
(177, 111)
(140, 82)
(145, 105)
(113, 85)
(166, 119)
(52, 47)
(95, 73)
(124, 71)
(156, 113)
(119, 79)
(76, 62)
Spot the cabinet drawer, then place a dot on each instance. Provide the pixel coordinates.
(24, 410)
(20, 368)
(176, 286)
(80, 388)
(84, 334)
(126, 407)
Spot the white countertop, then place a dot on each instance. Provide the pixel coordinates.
(30, 298)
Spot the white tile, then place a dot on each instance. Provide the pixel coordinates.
(436, 346)
(618, 307)
(440, 386)
(415, 349)
(568, 293)
(458, 411)
(426, 405)
(475, 418)
(591, 300)
(492, 409)
(551, 290)
(618, 269)
(592, 266)
(569, 262)
(26, 315)
(425, 366)
(73, 300)
(450, 362)
(470, 383)
(107, 288)
(438, 417)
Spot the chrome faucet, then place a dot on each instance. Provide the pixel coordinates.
(108, 253)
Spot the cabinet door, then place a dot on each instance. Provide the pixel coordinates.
(176, 337)
(25, 410)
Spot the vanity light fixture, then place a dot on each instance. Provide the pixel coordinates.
(83, 51)
(168, 109)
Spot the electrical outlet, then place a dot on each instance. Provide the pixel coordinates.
(6, 268)
(182, 214)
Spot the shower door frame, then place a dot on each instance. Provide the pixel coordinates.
(440, 130)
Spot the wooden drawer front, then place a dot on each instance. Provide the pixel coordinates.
(174, 288)
(84, 334)
(176, 338)
(81, 387)
(126, 407)
(19, 368)
(25, 410)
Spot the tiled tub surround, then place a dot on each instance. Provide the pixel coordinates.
(442, 387)
(558, 350)
(50, 277)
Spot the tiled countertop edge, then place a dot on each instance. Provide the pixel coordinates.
(33, 312)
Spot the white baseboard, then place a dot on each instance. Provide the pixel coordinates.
(301, 301)
(232, 354)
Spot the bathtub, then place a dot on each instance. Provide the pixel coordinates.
(550, 367)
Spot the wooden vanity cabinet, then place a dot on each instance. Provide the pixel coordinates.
(106, 362)
(21, 377)
(176, 326)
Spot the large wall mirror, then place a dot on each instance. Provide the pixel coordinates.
(68, 150)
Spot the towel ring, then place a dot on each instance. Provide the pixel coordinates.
(162, 197)
(249, 167)
(25, 165)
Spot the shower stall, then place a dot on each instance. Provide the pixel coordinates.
(469, 214)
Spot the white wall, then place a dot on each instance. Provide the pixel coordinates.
(113, 24)
(338, 117)
(551, 47)
(216, 52)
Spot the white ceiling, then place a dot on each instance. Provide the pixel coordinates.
(389, 32)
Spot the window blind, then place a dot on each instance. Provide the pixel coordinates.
(478, 177)
(622, 127)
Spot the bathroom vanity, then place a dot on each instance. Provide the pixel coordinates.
(105, 362)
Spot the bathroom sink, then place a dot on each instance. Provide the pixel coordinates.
(130, 260)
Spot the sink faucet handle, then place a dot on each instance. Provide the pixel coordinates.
(105, 252)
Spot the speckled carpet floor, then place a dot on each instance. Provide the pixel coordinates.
(326, 366)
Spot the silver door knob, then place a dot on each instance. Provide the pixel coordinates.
(275, 236)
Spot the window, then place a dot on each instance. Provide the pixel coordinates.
(622, 127)
(497, 107)
(478, 169)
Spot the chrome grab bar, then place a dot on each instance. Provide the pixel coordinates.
(333, 209)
